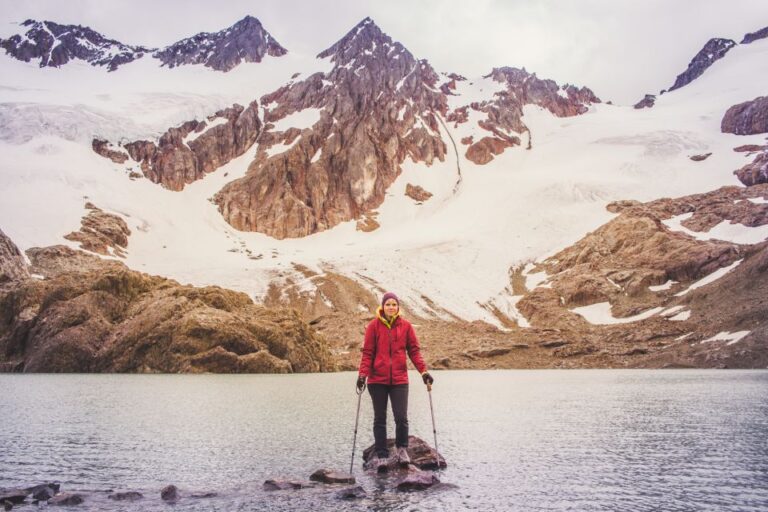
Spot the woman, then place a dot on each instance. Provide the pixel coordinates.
(388, 338)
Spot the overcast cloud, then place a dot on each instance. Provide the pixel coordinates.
(622, 49)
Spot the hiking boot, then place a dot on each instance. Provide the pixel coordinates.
(378, 464)
(402, 456)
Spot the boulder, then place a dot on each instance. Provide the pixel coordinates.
(754, 173)
(417, 481)
(66, 499)
(421, 454)
(328, 476)
(102, 232)
(169, 493)
(748, 118)
(417, 193)
(647, 102)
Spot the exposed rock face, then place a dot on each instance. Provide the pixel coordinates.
(503, 112)
(103, 317)
(647, 102)
(105, 149)
(714, 50)
(747, 118)
(755, 172)
(376, 107)
(245, 41)
(417, 193)
(102, 232)
(12, 264)
(188, 152)
(754, 36)
(55, 45)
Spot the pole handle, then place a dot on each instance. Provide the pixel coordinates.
(429, 388)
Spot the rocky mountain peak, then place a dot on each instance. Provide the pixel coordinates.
(245, 41)
(754, 36)
(365, 39)
(55, 45)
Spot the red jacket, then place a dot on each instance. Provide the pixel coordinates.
(383, 360)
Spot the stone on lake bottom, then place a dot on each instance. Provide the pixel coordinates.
(126, 496)
(283, 485)
(328, 476)
(66, 499)
(351, 493)
(170, 493)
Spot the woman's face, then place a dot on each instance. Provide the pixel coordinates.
(391, 307)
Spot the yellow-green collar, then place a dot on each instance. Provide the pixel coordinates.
(380, 315)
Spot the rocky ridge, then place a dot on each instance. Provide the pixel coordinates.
(714, 50)
(87, 314)
(376, 107)
(245, 41)
(102, 233)
(755, 36)
(55, 45)
(12, 264)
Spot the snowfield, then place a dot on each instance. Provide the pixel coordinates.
(455, 250)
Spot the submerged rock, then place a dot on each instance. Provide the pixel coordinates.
(126, 496)
(328, 476)
(351, 493)
(44, 492)
(66, 499)
(277, 484)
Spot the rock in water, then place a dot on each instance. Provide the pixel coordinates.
(417, 481)
(328, 476)
(7, 505)
(170, 493)
(13, 496)
(66, 499)
(44, 492)
(421, 454)
(126, 496)
(351, 493)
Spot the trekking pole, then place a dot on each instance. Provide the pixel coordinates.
(359, 392)
(434, 429)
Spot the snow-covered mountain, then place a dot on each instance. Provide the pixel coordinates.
(54, 45)
(274, 177)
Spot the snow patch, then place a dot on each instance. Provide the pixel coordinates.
(714, 276)
(730, 337)
(600, 314)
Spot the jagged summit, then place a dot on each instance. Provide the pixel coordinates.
(245, 41)
(366, 38)
(55, 45)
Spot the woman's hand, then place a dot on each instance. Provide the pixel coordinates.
(427, 378)
(360, 382)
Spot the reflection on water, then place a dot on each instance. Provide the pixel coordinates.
(514, 440)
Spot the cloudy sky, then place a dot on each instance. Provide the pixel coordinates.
(620, 48)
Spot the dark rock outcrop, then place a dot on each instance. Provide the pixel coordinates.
(55, 45)
(754, 36)
(747, 118)
(14, 496)
(94, 315)
(714, 50)
(188, 152)
(376, 107)
(701, 157)
(12, 264)
(101, 232)
(647, 102)
(245, 41)
(105, 149)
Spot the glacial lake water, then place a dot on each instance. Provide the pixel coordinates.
(592, 440)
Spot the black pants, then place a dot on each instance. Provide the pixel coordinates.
(398, 394)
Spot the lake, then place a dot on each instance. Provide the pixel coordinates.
(673, 440)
